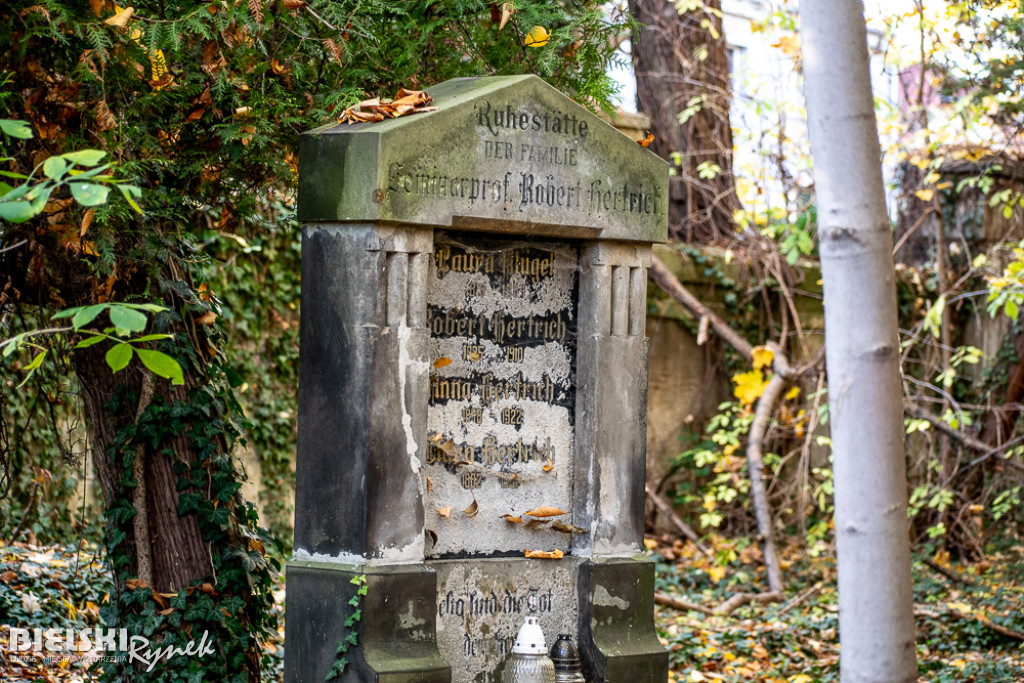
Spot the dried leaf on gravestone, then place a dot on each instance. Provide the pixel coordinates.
(544, 554)
(432, 535)
(549, 466)
(559, 525)
(545, 511)
(509, 518)
(472, 510)
(430, 485)
(647, 140)
(445, 511)
(441, 362)
(535, 523)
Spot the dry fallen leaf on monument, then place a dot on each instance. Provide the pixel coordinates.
(441, 362)
(472, 510)
(545, 512)
(559, 525)
(509, 518)
(544, 554)
(373, 110)
(549, 466)
(445, 511)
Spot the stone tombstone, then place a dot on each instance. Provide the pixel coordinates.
(472, 387)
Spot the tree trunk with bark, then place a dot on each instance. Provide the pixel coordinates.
(876, 609)
(681, 64)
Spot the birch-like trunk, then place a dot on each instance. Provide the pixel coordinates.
(876, 610)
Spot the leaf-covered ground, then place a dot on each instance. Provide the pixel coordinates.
(970, 619)
(55, 587)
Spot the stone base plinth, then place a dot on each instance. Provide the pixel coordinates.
(616, 622)
(396, 632)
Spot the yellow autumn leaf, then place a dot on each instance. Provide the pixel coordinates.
(120, 20)
(763, 357)
(800, 678)
(716, 573)
(749, 386)
(790, 45)
(537, 37)
(792, 393)
(730, 448)
(924, 195)
(545, 511)
(696, 676)
(157, 64)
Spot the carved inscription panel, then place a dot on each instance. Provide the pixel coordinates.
(481, 605)
(502, 319)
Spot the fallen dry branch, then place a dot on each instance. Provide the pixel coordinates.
(755, 465)
(813, 590)
(985, 449)
(683, 605)
(740, 599)
(684, 528)
(724, 609)
(920, 611)
(949, 574)
(664, 278)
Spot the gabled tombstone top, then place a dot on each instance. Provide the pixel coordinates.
(502, 154)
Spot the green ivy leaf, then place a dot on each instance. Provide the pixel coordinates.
(128, 191)
(119, 356)
(16, 128)
(54, 167)
(86, 157)
(161, 364)
(86, 315)
(16, 212)
(89, 194)
(127, 319)
(89, 341)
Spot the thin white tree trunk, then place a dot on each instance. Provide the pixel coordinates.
(876, 610)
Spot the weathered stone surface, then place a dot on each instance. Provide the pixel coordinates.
(362, 396)
(473, 349)
(616, 622)
(500, 153)
(502, 320)
(482, 603)
(396, 631)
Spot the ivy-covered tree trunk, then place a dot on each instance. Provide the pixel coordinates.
(167, 549)
(681, 65)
